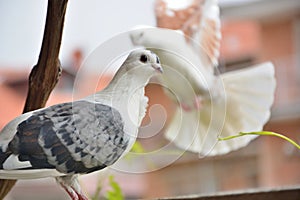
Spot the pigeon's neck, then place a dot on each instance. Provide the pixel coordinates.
(127, 94)
(125, 84)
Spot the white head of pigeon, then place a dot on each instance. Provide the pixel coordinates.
(79, 137)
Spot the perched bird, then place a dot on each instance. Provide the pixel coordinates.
(210, 105)
(83, 136)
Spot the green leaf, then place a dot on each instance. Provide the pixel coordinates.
(137, 148)
(115, 193)
(268, 133)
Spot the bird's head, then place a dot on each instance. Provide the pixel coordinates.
(143, 61)
(137, 69)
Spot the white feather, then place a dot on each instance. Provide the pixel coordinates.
(178, 4)
(29, 174)
(9, 130)
(13, 162)
(245, 108)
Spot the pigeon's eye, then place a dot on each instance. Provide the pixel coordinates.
(157, 60)
(143, 58)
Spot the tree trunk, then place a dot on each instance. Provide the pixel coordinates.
(46, 72)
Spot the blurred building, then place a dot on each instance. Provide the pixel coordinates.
(254, 32)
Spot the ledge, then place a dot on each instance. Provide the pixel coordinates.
(291, 193)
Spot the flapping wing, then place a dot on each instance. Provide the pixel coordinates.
(200, 21)
(209, 33)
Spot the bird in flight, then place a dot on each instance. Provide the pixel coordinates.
(210, 104)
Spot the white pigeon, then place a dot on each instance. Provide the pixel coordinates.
(209, 106)
(83, 136)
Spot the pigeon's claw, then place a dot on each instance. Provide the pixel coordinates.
(186, 107)
(71, 185)
(71, 192)
(197, 105)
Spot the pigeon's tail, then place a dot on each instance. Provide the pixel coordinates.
(29, 173)
(248, 96)
(23, 173)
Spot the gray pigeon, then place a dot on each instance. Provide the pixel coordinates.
(83, 136)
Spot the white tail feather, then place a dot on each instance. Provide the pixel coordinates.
(29, 174)
(249, 94)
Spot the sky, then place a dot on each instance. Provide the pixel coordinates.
(87, 25)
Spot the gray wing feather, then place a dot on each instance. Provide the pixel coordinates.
(77, 137)
(97, 136)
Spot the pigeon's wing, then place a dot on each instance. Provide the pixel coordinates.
(208, 32)
(78, 137)
(200, 22)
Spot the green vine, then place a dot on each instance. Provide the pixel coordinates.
(267, 133)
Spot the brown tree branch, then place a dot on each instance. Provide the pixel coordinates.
(46, 72)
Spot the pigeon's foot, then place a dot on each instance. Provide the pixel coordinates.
(197, 105)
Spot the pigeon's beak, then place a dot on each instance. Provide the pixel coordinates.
(157, 67)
